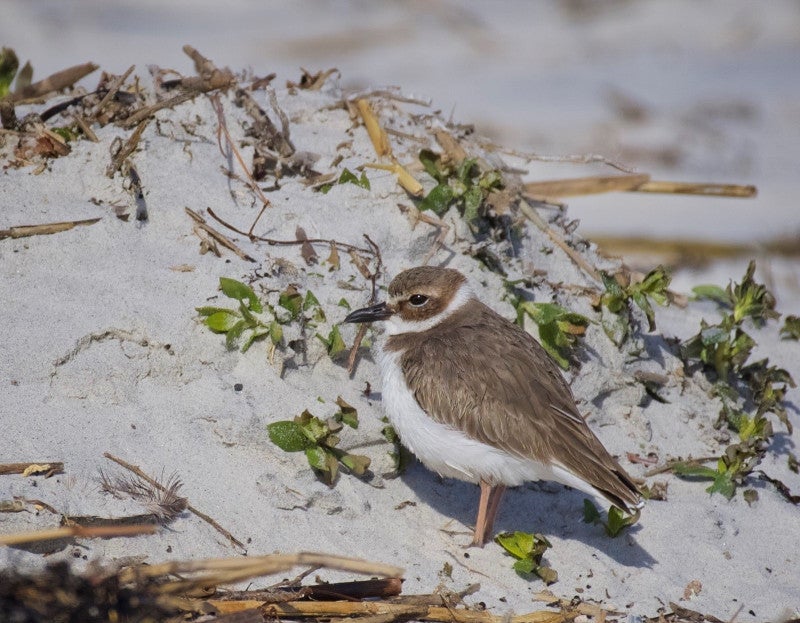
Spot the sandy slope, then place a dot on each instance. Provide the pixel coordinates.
(102, 352)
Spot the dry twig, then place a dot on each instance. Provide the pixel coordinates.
(200, 223)
(113, 89)
(576, 257)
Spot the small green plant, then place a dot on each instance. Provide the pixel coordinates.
(559, 328)
(255, 319)
(723, 351)
(247, 323)
(318, 440)
(617, 519)
(528, 550)
(398, 453)
(464, 185)
(348, 177)
(620, 296)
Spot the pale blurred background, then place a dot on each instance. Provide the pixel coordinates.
(685, 90)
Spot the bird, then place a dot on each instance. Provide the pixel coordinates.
(475, 397)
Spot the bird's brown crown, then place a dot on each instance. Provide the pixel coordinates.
(421, 293)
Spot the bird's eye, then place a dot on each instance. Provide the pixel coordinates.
(418, 300)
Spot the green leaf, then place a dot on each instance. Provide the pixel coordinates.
(641, 301)
(347, 413)
(314, 428)
(343, 303)
(431, 163)
(288, 436)
(712, 293)
(234, 333)
(438, 200)
(317, 458)
(209, 310)
(751, 299)
(528, 550)
(9, 63)
(542, 313)
(713, 335)
(356, 463)
(291, 300)
(348, 177)
(275, 332)
(252, 335)
(590, 512)
(617, 520)
(310, 301)
(222, 321)
(689, 470)
(724, 485)
(524, 566)
(518, 544)
(549, 337)
(334, 342)
(241, 292)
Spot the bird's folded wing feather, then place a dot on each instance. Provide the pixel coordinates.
(500, 387)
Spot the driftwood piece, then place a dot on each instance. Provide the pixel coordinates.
(53, 83)
(640, 183)
(332, 609)
(77, 532)
(48, 468)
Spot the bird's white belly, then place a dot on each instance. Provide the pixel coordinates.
(446, 450)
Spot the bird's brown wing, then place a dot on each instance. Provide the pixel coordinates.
(489, 378)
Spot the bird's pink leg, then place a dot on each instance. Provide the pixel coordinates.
(495, 495)
(479, 537)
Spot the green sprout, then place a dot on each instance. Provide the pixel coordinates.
(348, 177)
(318, 440)
(464, 185)
(334, 344)
(723, 350)
(254, 319)
(617, 519)
(747, 299)
(247, 323)
(528, 550)
(559, 328)
(619, 297)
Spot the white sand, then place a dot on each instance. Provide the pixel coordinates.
(102, 352)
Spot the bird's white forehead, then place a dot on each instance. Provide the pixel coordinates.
(396, 325)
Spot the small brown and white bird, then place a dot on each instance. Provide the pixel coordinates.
(475, 397)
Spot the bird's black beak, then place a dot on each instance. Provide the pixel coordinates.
(370, 314)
